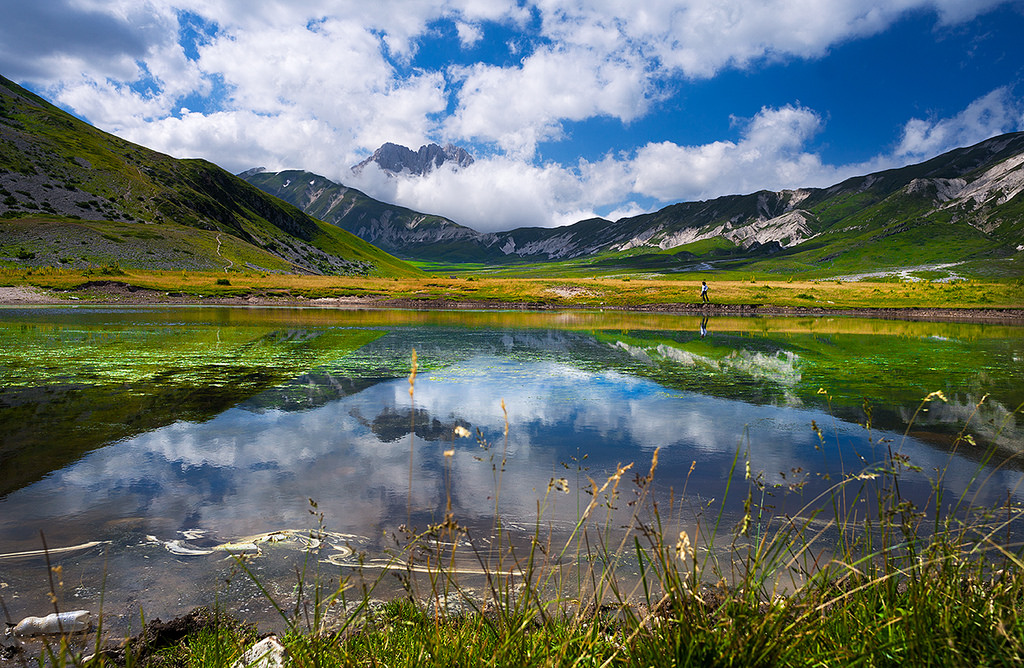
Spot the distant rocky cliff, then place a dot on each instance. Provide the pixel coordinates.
(394, 159)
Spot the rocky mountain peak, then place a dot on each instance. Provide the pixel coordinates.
(251, 172)
(394, 159)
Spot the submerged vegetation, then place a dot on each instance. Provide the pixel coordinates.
(71, 389)
(853, 573)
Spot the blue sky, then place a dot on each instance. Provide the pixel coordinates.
(571, 108)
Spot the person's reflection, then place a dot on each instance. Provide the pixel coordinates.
(704, 327)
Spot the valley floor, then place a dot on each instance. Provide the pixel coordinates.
(114, 292)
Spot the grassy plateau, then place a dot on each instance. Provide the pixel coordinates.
(728, 290)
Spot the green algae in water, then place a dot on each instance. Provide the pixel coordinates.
(849, 374)
(226, 421)
(68, 389)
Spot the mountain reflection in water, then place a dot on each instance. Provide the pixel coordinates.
(329, 417)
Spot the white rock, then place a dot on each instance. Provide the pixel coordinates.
(267, 653)
(74, 621)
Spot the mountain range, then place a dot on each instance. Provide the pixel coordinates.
(74, 196)
(964, 205)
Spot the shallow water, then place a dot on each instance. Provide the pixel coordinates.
(160, 431)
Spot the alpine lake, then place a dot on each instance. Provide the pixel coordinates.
(153, 459)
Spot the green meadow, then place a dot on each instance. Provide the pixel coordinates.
(618, 291)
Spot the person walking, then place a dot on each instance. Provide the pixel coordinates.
(704, 293)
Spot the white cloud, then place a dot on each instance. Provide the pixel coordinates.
(148, 97)
(986, 117)
(957, 11)
(303, 96)
(492, 194)
(516, 108)
(333, 73)
(701, 37)
(321, 84)
(773, 152)
(469, 34)
(501, 193)
(244, 138)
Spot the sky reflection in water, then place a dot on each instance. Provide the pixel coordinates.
(578, 405)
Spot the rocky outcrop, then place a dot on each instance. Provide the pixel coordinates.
(394, 159)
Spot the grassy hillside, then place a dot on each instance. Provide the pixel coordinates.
(75, 196)
(396, 229)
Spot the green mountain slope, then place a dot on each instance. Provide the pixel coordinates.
(75, 196)
(966, 206)
(396, 229)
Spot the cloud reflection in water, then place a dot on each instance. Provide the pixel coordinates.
(577, 407)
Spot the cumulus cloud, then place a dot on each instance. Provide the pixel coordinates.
(244, 138)
(516, 108)
(701, 37)
(988, 116)
(469, 34)
(321, 84)
(770, 154)
(774, 152)
(497, 193)
(501, 193)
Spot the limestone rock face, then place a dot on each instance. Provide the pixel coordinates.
(394, 159)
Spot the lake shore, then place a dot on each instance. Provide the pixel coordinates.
(107, 293)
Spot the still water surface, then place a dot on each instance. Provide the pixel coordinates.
(159, 431)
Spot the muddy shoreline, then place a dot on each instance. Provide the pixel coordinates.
(116, 293)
